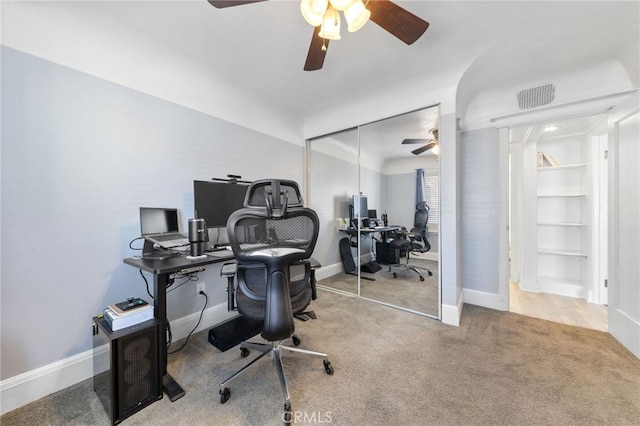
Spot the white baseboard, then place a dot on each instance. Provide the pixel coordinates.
(451, 314)
(529, 285)
(429, 255)
(499, 302)
(625, 329)
(35, 384)
(564, 289)
(329, 271)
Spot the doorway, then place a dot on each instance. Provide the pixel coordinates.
(557, 220)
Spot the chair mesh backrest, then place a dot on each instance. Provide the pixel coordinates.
(420, 224)
(421, 216)
(298, 229)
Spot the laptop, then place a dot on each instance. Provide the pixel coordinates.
(160, 226)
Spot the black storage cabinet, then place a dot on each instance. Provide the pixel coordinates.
(387, 253)
(133, 379)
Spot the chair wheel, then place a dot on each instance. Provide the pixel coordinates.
(286, 416)
(430, 273)
(328, 368)
(395, 275)
(244, 352)
(296, 340)
(421, 278)
(224, 395)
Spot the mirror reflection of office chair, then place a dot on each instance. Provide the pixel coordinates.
(272, 239)
(415, 241)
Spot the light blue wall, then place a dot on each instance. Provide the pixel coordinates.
(80, 155)
(480, 209)
(333, 181)
(401, 206)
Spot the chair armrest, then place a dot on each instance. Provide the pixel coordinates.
(314, 265)
(228, 271)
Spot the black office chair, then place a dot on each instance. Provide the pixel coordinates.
(414, 241)
(272, 239)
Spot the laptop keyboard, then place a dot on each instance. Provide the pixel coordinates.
(168, 237)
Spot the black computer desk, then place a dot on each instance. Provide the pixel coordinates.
(162, 270)
(383, 230)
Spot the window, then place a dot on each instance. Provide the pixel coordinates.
(432, 197)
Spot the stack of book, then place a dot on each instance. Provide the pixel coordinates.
(125, 314)
(546, 160)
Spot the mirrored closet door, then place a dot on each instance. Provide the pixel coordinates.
(372, 186)
(332, 173)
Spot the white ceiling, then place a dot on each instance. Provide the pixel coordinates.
(259, 49)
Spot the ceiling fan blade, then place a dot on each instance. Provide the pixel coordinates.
(401, 23)
(425, 141)
(423, 148)
(316, 54)
(221, 4)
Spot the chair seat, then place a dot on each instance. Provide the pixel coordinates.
(275, 252)
(401, 243)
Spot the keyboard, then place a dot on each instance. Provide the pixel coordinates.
(168, 237)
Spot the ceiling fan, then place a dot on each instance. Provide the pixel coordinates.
(428, 143)
(399, 22)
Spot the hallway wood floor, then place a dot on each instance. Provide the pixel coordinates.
(560, 309)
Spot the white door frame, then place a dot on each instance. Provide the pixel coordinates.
(624, 271)
(595, 106)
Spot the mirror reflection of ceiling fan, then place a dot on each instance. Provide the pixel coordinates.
(429, 144)
(324, 15)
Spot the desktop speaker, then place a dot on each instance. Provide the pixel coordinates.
(132, 380)
(198, 235)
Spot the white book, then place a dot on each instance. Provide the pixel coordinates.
(118, 322)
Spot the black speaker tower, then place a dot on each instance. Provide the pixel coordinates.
(133, 379)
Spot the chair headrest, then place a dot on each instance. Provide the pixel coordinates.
(275, 195)
(422, 206)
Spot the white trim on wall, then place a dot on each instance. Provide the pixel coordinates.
(40, 382)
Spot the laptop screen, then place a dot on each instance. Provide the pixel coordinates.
(158, 221)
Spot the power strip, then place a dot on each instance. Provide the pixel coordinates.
(192, 269)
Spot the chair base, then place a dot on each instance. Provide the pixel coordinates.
(409, 267)
(277, 351)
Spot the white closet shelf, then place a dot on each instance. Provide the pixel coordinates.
(561, 168)
(561, 195)
(577, 224)
(560, 252)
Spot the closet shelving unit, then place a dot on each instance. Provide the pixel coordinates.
(563, 222)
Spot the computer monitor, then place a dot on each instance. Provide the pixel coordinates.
(215, 201)
(360, 208)
(373, 214)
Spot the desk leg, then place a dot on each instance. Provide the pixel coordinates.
(171, 387)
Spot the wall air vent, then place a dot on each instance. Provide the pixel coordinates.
(536, 96)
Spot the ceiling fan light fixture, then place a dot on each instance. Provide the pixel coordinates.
(341, 4)
(330, 25)
(356, 15)
(436, 150)
(313, 11)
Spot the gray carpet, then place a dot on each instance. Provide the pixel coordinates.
(393, 367)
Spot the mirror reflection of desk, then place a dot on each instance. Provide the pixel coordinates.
(381, 250)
